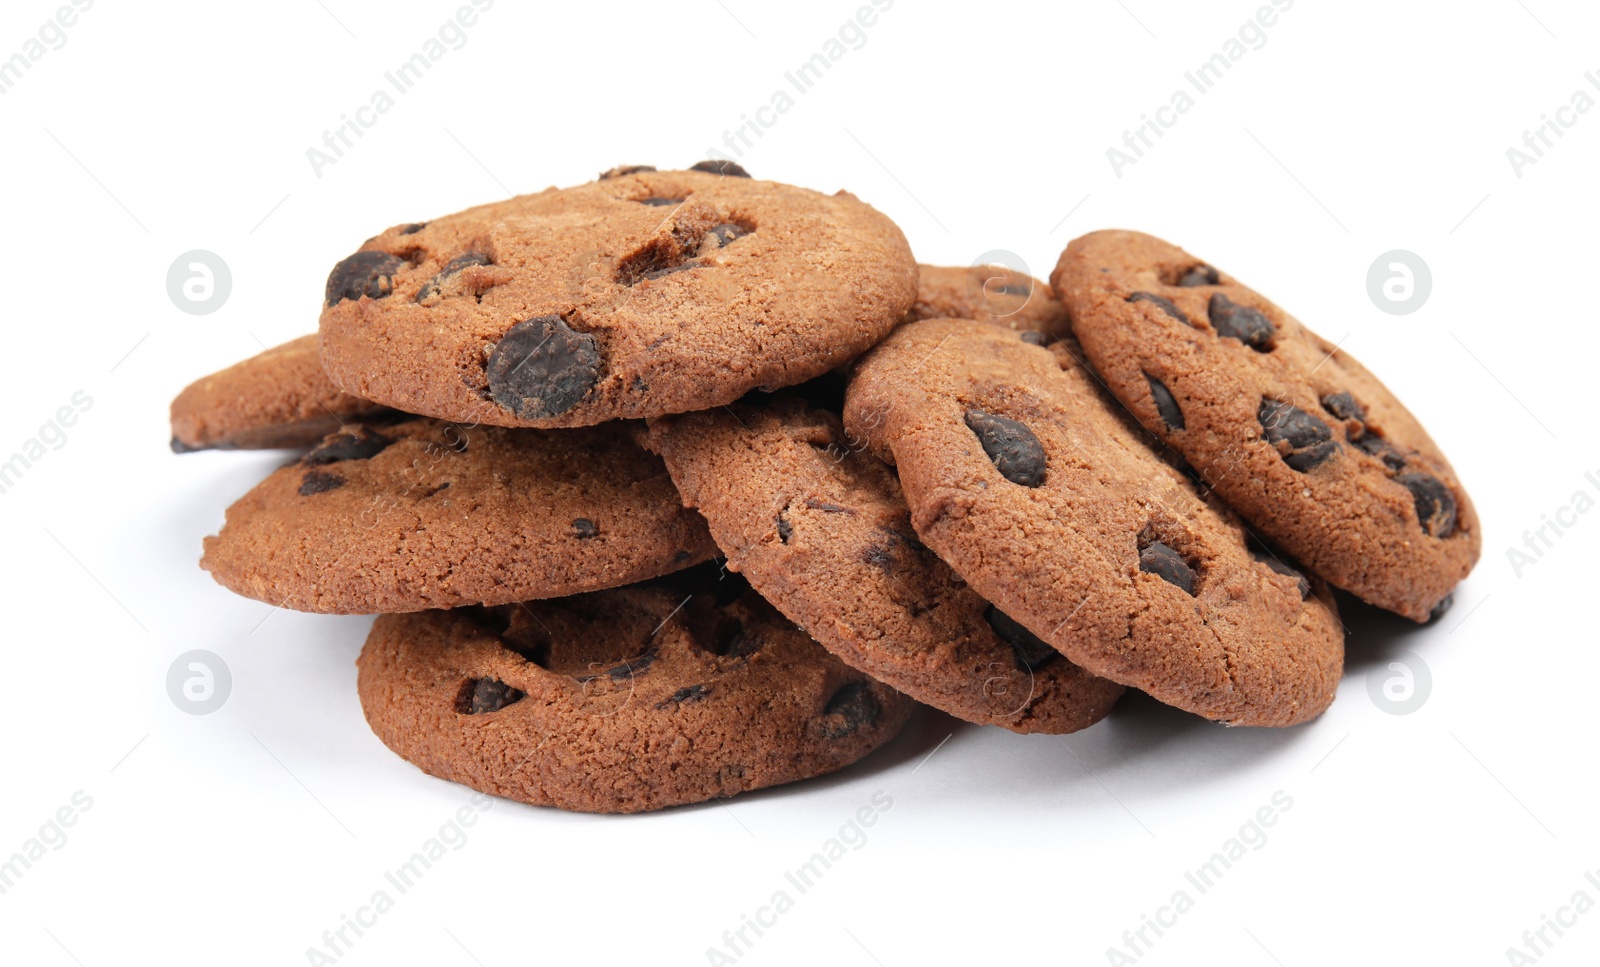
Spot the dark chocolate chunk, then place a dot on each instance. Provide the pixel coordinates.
(1282, 422)
(1014, 288)
(878, 556)
(413, 228)
(727, 233)
(621, 170)
(178, 446)
(1345, 407)
(542, 368)
(358, 444)
(1199, 275)
(583, 528)
(319, 481)
(1165, 304)
(1316, 456)
(1168, 565)
(1436, 505)
(1439, 609)
(1166, 405)
(850, 708)
(1035, 338)
(369, 274)
(1243, 323)
(785, 529)
(632, 668)
(1277, 566)
(431, 287)
(661, 202)
(687, 694)
(1016, 452)
(727, 168)
(487, 695)
(1028, 649)
(1391, 456)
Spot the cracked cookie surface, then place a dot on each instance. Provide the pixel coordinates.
(631, 699)
(640, 294)
(1290, 430)
(820, 528)
(1021, 477)
(426, 514)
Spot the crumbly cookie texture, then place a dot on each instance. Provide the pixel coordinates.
(994, 294)
(1290, 430)
(279, 398)
(641, 294)
(426, 514)
(821, 530)
(620, 701)
(1021, 478)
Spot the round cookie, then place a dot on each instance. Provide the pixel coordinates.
(1290, 430)
(278, 398)
(995, 294)
(619, 701)
(641, 294)
(1042, 498)
(820, 528)
(425, 514)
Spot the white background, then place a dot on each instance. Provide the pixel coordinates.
(240, 836)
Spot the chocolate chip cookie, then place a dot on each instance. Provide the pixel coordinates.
(426, 514)
(820, 528)
(1290, 430)
(993, 294)
(641, 294)
(620, 701)
(1021, 478)
(279, 398)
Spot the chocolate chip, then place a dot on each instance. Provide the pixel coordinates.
(431, 287)
(319, 481)
(1014, 288)
(413, 228)
(1171, 413)
(583, 528)
(1344, 406)
(1439, 609)
(1028, 649)
(826, 507)
(542, 368)
(1165, 304)
(1278, 567)
(661, 202)
(1436, 506)
(785, 529)
(1035, 338)
(369, 274)
(360, 444)
(879, 557)
(178, 446)
(850, 708)
(1168, 565)
(727, 233)
(1199, 275)
(1016, 452)
(1309, 438)
(630, 669)
(688, 694)
(1243, 323)
(727, 168)
(1370, 442)
(487, 695)
(621, 170)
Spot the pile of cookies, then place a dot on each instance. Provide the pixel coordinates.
(680, 484)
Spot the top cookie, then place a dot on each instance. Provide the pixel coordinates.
(1021, 478)
(994, 294)
(641, 294)
(1290, 430)
(278, 398)
(820, 528)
